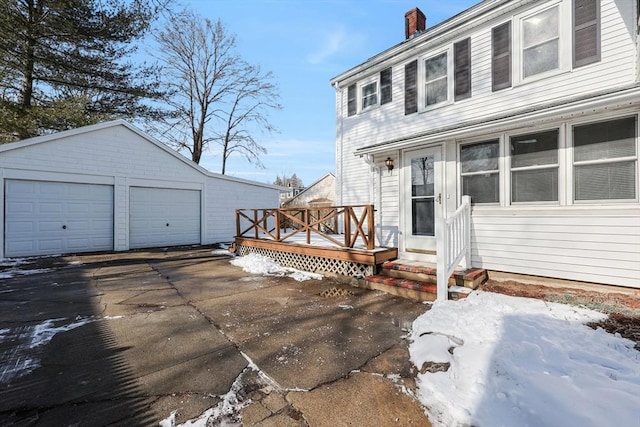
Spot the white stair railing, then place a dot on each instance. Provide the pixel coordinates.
(453, 244)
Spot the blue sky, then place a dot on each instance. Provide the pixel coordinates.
(305, 43)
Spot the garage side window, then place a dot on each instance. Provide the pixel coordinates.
(480, 171)
(534, 167)
(605, 160)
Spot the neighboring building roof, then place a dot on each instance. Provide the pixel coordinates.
(310, 188)
(105, 125)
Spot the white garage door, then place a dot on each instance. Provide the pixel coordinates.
(163, 217)
(43, 218)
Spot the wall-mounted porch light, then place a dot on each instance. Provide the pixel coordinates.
(389, 164)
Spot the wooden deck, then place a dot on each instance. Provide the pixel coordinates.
(363, 256)
(337, 239)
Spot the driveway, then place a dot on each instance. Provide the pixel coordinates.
(144, 337)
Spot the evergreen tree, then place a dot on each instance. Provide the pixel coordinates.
(65, 64)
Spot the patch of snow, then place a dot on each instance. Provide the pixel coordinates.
(519, 361)
(16, 272)
(22, 358)
(345, 306)
(226, 413)
(222, 252)
(259, 264)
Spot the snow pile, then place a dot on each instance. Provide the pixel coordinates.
(259, 264)
(518, 361)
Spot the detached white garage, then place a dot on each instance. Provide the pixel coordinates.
(112, 187)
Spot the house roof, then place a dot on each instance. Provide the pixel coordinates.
(114, 123)
(436, 35)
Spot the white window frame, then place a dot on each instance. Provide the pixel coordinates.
(571, 163)
(422, 81)
(560, 166)
(499, 170)
(564, 42)
(361, 86)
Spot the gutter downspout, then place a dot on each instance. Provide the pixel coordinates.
(375, 193)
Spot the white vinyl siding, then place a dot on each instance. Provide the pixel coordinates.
(595, 245)
(616, 69)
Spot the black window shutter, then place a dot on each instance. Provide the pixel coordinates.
(462, 69)
(352, 102)
(586, 32)
(385, 86)
(411, 87)
(501, 56)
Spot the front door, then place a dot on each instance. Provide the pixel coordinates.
(422, 199)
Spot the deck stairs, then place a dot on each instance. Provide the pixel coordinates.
(417, 280)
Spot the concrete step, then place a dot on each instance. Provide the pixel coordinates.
(469, 278)
(406, 288)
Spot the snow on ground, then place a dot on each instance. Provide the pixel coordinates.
(22, 359)
(259, 264)
(16, 272)
(523, 362)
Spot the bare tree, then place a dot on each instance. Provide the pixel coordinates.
(215, 96)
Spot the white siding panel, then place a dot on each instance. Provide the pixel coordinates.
(594, 245)
(616, 69)
(223, 198)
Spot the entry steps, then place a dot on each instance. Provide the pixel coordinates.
(411, 279)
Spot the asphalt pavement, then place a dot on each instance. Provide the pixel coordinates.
(144, 337)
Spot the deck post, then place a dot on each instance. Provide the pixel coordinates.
(238, 222)
(371, 227)
(277, 225)
(255, 221)
(306, 213)
(347, 226)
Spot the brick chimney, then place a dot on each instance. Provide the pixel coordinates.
(414, 22)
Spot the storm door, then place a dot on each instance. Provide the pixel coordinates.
(422, 198)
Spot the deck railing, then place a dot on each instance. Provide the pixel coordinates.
(343, 226)
(454, 245)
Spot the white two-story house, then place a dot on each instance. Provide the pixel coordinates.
(530, 108)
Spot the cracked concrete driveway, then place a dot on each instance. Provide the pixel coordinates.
(131, 338)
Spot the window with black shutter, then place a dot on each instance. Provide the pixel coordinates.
(462, 69)
(385, 86)
(352, 100)
(411, 87)
(501, 56)
(586, 32)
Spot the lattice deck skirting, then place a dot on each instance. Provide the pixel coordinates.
(310, 263)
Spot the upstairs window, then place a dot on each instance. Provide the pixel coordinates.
(534, 167)
(540, 42)
(369, 95)
(501, 57)
(605, 160)
(436, 80)
(586, 32)
(462, 69)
